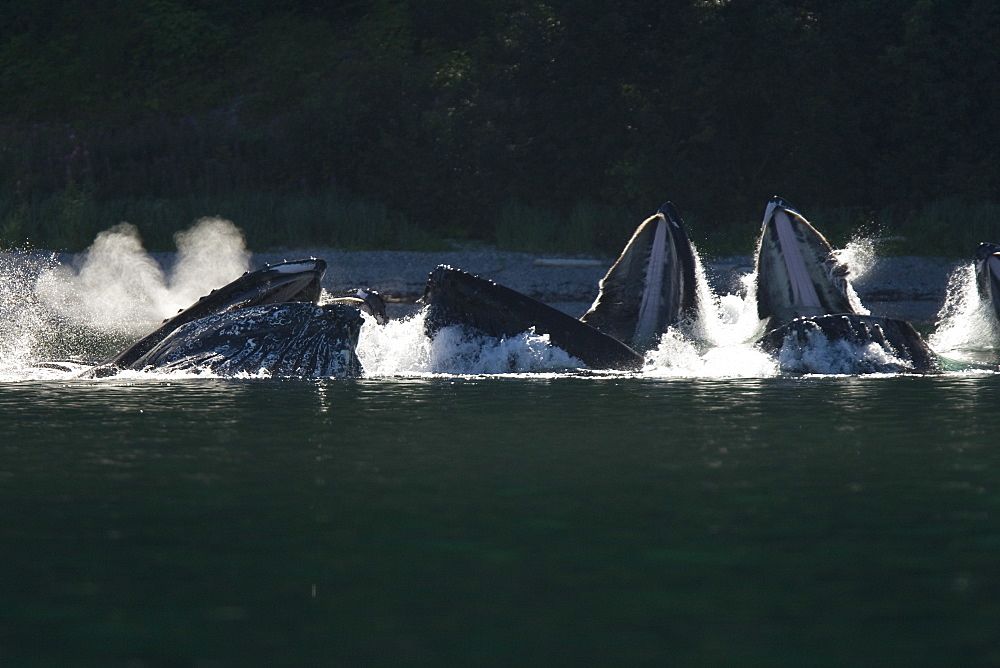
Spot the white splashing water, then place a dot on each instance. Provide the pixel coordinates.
(729, 320)
(720, 341)
(679, 357)
(859, 258)
(821, 355)
(400, 348)
(114, 291)
(24, 326)
(966, 323)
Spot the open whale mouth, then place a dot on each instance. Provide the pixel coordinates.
(299, 281)
(652, 284)
(803, 294)
(367, 300)
(797, 273)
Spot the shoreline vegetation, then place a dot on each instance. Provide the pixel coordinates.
(70, 221)
(535, 126)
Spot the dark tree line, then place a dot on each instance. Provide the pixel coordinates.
(446, 109)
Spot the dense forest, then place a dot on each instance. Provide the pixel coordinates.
(556, 124)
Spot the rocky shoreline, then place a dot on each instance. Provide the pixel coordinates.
(912, 288)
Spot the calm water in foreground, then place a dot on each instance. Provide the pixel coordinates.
(545, 520)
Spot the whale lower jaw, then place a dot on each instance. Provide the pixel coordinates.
(797, 273)
(651, 286)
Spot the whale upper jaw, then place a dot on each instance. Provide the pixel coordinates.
(797, 272)
(652, 284)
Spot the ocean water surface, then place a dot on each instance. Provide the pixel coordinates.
(500, 520)
(479, 502)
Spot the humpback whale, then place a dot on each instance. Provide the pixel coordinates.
(651, 286)
(266, 320)
(802, 293)
(288, 339)
(987, 261)
(797, 272)
(455, 297)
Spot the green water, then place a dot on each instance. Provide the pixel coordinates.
(500, 521)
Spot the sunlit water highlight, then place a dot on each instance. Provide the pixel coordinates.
(967, 328)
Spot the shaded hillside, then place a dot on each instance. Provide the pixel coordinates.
(448, 113)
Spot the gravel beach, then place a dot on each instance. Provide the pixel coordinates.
(912, 288)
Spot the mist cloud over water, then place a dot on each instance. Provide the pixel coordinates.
(116, 286)
(209, 255)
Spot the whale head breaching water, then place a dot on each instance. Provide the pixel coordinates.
(455, 297)
(652, 284)
(267, 320)
(284, 339)
(797, 272)
(987, 261)
(651, 287)
(803, 294)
